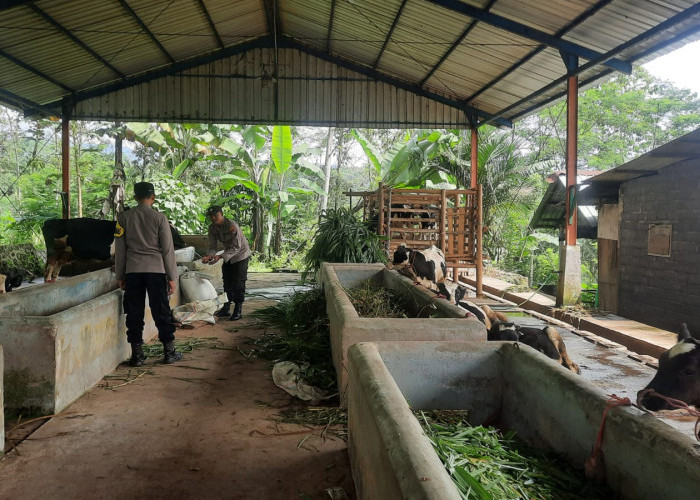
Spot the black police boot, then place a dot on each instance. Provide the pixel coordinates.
(137, 355)
(225, 311)
(237, 312)
(170, 354)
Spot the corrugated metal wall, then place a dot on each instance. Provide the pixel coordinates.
(241, 89)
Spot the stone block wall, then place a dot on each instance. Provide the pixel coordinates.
(661, 291)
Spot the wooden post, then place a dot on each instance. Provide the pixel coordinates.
(388, 219)
(479, 244)
(475, 157)
(65, 164)
(571, 222)
(443, 205)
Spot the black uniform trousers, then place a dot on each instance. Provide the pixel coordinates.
(235, 275)
(156, 286)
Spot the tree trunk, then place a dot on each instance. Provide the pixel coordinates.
(257, 225)
(327, 173)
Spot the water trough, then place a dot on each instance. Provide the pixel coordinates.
(61, 338)
(448, 322)
(549, 407)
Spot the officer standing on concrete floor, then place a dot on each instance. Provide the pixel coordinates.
(236, 256)
(145, 264)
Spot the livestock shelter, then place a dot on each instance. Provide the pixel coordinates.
(649, 235)
(450, 219)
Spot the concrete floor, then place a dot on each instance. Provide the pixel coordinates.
(195, 429)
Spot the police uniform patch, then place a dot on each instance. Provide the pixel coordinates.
(118, 230)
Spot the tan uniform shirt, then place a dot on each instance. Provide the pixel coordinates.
(235, 244)
(145, 244)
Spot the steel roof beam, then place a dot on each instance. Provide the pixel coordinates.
(576, 22)
(287, 42)
(669, 23)
(266, 42)
(456, 44)
(8, 4)
(145, 29)
(212, 26)
(531, 33)
(331, 18)
(26, 104)
(388, 36)
(32, 69)
(76, 40)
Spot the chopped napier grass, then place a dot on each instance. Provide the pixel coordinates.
(486, 464)
(372, 301)
(302, 336)
(155, 350)
(332, 420)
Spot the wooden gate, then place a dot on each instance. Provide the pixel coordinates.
(450, 219)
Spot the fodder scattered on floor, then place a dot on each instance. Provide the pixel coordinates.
(330, 421)
(298, 332)
(155, 350)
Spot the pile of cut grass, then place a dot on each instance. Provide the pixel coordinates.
(486, 464)
(372, 301)
(301, 335)
(155, 350)
(332, 421)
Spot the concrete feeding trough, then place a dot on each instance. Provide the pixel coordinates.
(61, 338)
(548, 406)
(448, 322)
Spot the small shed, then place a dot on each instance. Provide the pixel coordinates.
(551, 211)
(649, 235)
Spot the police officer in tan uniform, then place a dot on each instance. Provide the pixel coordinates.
(236, 256)
(145, 264)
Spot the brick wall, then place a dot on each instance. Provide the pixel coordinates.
(661, 291)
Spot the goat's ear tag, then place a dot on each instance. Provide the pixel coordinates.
(118, 231)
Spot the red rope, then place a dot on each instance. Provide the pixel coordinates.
(613, 402)
(675, 403)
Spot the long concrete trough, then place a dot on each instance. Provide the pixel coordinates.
(61, 338)
(447, 322)
(548, 406)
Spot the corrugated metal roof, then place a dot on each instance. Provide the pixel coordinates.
(604, 188)
(415, 62)
(551, 212)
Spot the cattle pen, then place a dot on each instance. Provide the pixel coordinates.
(450, 219)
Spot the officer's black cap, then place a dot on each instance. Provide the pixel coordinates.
(213, 210)
(143, 190)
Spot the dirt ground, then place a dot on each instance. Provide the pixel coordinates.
(199, 428)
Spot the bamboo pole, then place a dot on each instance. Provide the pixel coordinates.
(479, 244)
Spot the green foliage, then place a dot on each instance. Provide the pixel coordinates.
(341, 237)
(176, 200)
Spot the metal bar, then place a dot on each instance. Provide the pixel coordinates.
(475, 157)
(479, 242)
(20, 102)
(65, 163)
(576, 22)
(531, 33)
(8, 4)
(452, 48)
(212, 26)
(263, 42)
(443, 206)
(75, 39)
(331, 18)
(571, 157)
(388, 36)
(145, 29)
(32, 69)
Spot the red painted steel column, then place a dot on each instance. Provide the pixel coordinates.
(65, 163)
(571, 158)
(475, 156)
